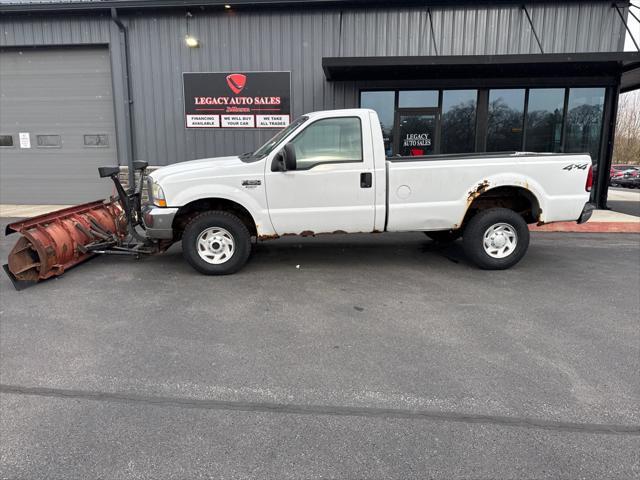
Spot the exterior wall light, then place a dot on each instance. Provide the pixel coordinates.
(227, 6)
(191, 41)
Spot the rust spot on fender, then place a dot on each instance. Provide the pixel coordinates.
(477, 191)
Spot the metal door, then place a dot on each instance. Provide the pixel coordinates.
(417, 131)
(57, 125)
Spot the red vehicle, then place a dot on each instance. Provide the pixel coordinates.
(620, 172)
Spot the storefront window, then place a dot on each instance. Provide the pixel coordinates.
(418, 98)
(384, 105)
(458, 121)
(504, 122)
(544, 119)
(584, 121)
(444, 121)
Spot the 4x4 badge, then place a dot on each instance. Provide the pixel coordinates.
(579, 166)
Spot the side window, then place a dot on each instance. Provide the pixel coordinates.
(330, 140)
(49, 141)
(6, 140)
(96, 140)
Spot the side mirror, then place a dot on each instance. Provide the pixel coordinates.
(289, 153)
(285, 159)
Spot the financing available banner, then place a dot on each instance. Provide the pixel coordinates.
(237, 99)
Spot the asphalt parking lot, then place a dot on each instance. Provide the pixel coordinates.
(624, 200)
(379, 356)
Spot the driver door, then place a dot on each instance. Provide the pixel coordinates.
(332, 187)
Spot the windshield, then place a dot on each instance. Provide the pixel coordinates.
(268, 147)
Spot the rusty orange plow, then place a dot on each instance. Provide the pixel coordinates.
(52, 243)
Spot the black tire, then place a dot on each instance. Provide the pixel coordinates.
(473, 239)
(444, 236)
(224, 220)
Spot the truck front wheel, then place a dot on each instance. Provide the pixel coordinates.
(496, 239)
(216, 243)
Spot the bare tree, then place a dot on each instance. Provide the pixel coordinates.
(626, 148)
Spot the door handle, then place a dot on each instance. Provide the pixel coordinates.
(366, 180)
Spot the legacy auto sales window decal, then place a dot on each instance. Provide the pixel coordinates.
(237, 99)
(417, 140)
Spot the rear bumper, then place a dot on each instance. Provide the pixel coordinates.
(587, 210)
(158, 222)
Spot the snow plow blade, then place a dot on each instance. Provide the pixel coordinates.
(52, 243)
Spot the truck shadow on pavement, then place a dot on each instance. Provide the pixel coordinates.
(355, 250)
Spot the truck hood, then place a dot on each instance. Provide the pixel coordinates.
(197, 168)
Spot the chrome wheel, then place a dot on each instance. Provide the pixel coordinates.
(500, 240)
(215, 245)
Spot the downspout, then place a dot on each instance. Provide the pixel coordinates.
(128, 99)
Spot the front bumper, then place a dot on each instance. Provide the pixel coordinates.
(158, 222)
(587, 210)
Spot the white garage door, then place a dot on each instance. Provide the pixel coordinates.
(56, 125)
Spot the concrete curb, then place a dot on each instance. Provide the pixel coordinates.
(589, 227)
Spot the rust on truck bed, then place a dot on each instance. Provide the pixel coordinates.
(477, 191)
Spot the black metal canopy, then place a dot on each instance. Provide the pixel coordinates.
(62, 5)
(557, 65)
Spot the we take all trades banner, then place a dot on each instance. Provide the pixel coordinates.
(237, 99)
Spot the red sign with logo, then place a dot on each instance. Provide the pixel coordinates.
(237, 99)
(236, 82)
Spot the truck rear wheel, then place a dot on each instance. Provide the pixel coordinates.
(216, 243)
(496, 239)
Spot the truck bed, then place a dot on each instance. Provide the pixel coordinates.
(434, 192)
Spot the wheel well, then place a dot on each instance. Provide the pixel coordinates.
(518, 199)
(190, 210)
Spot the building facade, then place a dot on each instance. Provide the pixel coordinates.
(86, 83)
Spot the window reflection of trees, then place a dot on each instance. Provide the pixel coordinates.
(543, 130)
(583, 129)
(458, 128)
(504, 128)
(417, 124)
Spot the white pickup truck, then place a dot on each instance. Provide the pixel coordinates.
(327, 173)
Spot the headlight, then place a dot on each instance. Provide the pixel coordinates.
(157, 195)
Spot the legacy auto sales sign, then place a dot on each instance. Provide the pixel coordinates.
(237, 99)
